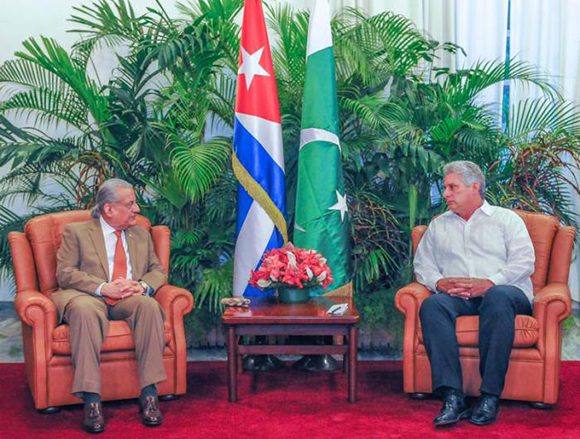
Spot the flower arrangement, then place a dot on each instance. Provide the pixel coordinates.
(291, 266)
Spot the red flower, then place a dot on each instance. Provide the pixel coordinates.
(292, 266)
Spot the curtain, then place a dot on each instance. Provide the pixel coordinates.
(547, 35)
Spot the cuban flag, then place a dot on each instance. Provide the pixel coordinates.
(258, 158)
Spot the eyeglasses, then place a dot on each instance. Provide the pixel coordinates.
(130, 205)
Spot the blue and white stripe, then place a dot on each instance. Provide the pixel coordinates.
(258, 147)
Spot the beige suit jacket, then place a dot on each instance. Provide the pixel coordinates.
(82, 261)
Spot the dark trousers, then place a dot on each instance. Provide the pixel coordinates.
(497, 310)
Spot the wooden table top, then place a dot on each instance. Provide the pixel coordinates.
(269, 311)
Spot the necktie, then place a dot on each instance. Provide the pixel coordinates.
(119, 263)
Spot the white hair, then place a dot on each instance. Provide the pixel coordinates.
(469, 171)
(108, 193)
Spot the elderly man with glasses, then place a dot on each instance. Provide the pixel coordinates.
(107, 269)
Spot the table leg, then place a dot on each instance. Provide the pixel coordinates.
(232, 364)
(345, 341)
(352, 351)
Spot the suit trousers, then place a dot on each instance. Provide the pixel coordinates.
(88, 319)
(497, 310)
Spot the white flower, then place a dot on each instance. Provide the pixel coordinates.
(309, 273)
(263, 283)
(292, 260)
(321, 276)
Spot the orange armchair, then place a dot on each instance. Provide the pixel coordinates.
(47, 353)
(533, 373)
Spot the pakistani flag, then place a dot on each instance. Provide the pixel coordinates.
(322, 218)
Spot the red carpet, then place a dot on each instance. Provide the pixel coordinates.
(289, 404)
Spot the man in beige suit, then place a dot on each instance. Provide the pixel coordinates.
(107, 270)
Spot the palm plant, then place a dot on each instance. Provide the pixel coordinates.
(539, 160)
(133, 126)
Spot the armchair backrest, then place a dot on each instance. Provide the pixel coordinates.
(552, 245)
(34, 252)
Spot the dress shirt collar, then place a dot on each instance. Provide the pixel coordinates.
(106, 227)
(485, 208)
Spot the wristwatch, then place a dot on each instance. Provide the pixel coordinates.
(145, 287)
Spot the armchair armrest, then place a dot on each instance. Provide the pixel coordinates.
(409, 298)
(175, 301)
(553, 298)
(552, 304)
(35, 308)
(39, 313)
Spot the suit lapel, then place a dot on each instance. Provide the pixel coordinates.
(96, 234)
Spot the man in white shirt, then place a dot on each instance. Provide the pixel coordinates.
(477, 259)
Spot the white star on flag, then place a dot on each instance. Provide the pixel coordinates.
(340, 205)
(251, 66)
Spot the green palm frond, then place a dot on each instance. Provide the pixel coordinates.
(214, 10)
(103, 18)
(368, 110)
(289, 54)
(18, 74)
(199, 166)
(215, 285)
(11, 133)
(465, 85)
(380, 46)
(219, 19)
(53, 58)
(47, 107)
(221, 102)
(534, 116)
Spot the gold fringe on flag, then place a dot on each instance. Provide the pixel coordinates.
(258, 193)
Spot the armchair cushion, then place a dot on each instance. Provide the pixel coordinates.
(467, 329)
(119, 338)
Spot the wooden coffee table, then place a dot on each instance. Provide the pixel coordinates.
(268, 317)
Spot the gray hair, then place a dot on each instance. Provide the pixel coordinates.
(108, 193)
(470, 173)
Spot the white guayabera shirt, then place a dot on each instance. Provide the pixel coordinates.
(493, 244)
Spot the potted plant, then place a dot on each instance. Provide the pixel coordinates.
(292, 271)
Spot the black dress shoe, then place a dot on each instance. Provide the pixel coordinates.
(485, 411)
(150, 413)
(262, 363)
(316, 363)
(454, 409)
(93, 419)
